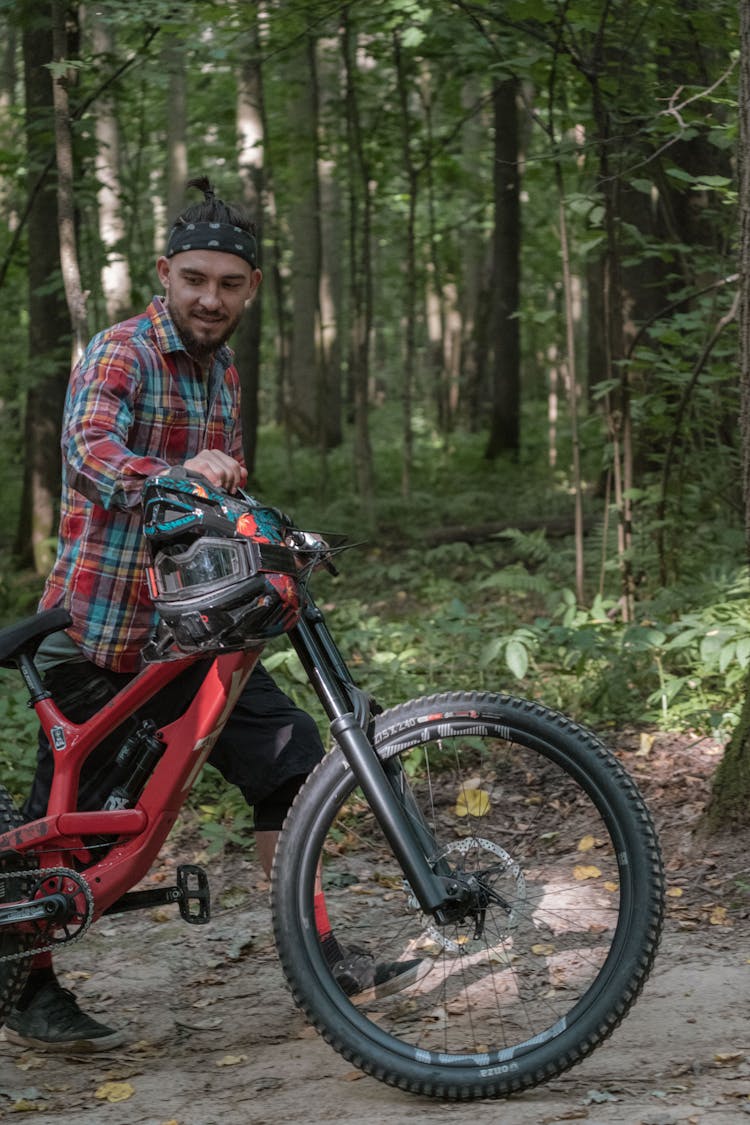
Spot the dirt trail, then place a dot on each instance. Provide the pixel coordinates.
(216, 1039)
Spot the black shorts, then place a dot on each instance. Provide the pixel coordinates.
(267, 748)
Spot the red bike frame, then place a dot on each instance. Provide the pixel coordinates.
(59, 839)
(141, 830)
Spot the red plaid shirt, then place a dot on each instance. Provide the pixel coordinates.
(136, 404)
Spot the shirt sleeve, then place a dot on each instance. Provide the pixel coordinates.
(236, 444)
(99, 415)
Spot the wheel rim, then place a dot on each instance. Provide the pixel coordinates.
(566, 906)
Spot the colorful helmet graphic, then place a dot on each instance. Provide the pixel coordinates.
(222, 576)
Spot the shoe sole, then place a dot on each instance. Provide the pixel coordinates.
(394, 985)
(69, 1046)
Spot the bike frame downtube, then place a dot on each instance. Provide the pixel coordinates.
(311, 643)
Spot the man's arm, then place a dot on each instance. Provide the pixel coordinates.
(102, 417)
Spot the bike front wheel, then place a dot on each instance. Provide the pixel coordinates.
(555, 838)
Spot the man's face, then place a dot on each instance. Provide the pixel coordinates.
(206, 293)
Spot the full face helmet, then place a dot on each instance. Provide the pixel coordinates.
(222, 576)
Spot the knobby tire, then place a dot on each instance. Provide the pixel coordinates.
(13, 973)
(558, 838)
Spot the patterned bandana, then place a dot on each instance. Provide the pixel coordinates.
(212, 236)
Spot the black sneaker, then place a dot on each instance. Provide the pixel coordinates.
(54, 1022)
(362, 979)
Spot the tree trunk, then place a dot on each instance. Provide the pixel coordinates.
(360, 233)
(115, 274)
(71, 272)
(730, 798)
(475, 265)
(173, 55)
(303, 407)
(8, 73)
(332, 251)
(505, 421)
(49, 324)
(247, 339)
(410, 273)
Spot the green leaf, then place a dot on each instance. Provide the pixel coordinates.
(681, 174)
(517, 658)
(491, 651)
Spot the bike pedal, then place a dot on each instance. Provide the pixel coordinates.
(194, 894)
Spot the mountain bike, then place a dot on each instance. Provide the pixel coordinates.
(498, 843)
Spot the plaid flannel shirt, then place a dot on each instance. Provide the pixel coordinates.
(136, 404)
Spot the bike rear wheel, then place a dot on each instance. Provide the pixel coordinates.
(567, 914)
(13, 888)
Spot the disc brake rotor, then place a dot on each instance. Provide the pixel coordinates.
(496, 883)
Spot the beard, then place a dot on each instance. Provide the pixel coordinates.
(210, 335)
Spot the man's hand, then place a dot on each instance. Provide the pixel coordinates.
(221, 469)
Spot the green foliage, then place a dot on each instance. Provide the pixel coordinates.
(412, 619)
(605, 103)
(19, 728)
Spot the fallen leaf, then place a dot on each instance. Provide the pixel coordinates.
(727, 1058)
(582, 871)
(646, 742)
(30, 1062)
(542, 950)
(611, 886)
(675, 892)
(472, 802)
(231, 1060)
(718, 916)
(586, 844)
(115, 1092)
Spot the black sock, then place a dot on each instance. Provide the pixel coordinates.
(332, 951)
(37, 979)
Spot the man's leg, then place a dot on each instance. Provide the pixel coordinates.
(268, 748)
(47, 1016)
(265, 845)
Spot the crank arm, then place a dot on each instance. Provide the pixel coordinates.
(47, 909)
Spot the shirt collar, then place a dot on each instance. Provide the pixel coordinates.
(168, 338)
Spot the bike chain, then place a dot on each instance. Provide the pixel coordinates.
(42, 874)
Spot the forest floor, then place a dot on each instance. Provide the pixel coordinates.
(216, 1039)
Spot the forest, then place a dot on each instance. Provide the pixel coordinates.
(500, 345)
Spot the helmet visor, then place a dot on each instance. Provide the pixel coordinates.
(208, 564)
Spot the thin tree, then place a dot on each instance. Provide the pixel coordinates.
(63, 75)
(360, 265)
(250, 132)
(49, 323)
(410, 279)
(505, 419)
(730, 799)
(173, 56)
(115, 274)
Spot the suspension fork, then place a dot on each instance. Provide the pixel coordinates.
(349, 713)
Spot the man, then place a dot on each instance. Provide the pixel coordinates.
(155, 391)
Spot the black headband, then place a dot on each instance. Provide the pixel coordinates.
(212, 236)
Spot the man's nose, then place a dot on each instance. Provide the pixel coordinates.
(210, 297)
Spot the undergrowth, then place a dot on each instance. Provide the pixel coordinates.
(499, 615)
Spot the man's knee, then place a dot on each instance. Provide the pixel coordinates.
(270, 812)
